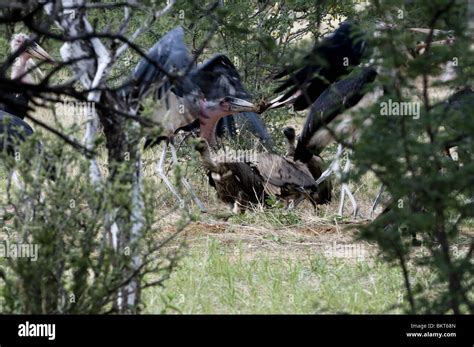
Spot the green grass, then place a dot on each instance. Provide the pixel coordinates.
(271, 217)
(214, 278)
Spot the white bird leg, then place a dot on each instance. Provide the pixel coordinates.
(332, 167)
(185, 182)
(236, 209)
(355, 206)
(161, 172)
(298, 201)
(17, 181)
(345, 190)
(335, 167)
(341, 200)
(337, 172)
(290, 205)
(376, 201)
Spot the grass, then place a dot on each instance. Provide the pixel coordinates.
(216, 278)
(271, 217)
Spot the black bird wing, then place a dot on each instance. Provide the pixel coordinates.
(13, 130)
(14, 103)
(333, 101)
(454, 110)
(171, 55)
(460, 100)
(329, 59)
(218, 78)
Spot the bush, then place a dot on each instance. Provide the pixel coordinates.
(75, 265)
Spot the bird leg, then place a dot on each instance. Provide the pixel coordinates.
(290, 205)
(17, 181)
(334, 166)
(237, 209)
(185, 182)
(376, 201)
(345, 189)
(341, 200)
(355, 208)
(161, 172)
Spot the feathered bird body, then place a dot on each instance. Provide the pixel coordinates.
(23, 69)
(329, 60)
(185, 93)
(251, 182)
(315, 166)
(338, 97)
(236, 183)
(13, 131)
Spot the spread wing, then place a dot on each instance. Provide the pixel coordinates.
(218, 78)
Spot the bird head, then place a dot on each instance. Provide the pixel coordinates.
(201, 146)
(289, 133)
(33, 50)
(213, 110)
(226, 106)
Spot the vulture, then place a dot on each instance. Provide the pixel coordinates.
(243, 183)
(316, 82)
(236, 183)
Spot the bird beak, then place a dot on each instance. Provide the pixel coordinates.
(240, 105)
(36, 51)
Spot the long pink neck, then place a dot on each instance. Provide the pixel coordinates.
(20, 68)
(208, 128)
(207, 122)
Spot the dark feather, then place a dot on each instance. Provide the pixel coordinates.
(13, 132)
(171, 54)
(336, 99)
(218, 78)
(14, 103)
(323, 66)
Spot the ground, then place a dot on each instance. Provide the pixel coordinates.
(252, 264)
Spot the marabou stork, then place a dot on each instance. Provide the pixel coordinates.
(22, 69)
(13, 129)
(328, 110)
(329, 60)
(188, 96)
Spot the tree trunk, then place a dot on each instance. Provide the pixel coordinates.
(124, 221)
